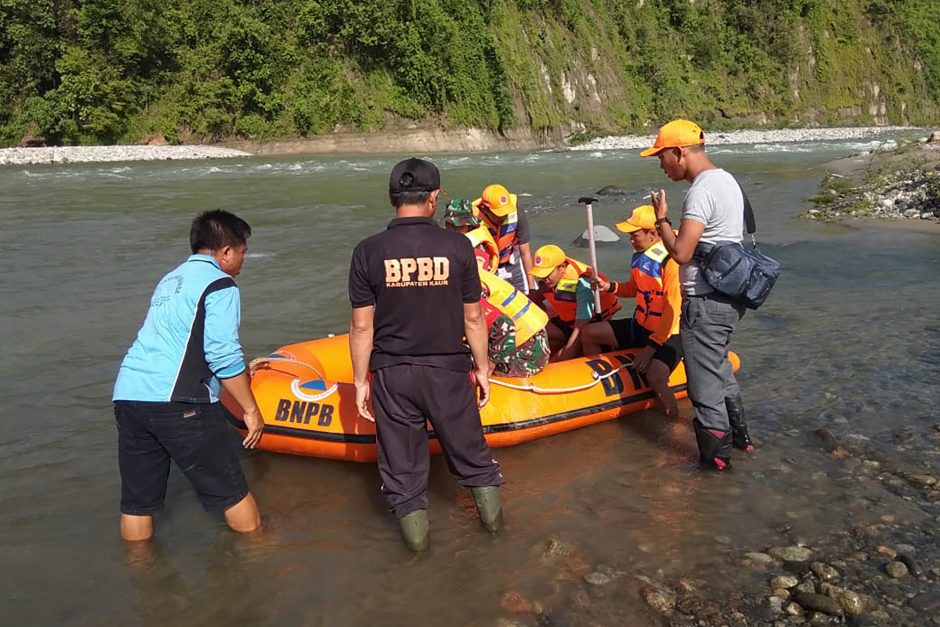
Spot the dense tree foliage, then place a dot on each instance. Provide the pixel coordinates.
(93, 71)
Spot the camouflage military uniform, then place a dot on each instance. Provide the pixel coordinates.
(459, 212)
(516, 361)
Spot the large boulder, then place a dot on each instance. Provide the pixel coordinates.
(603, 236)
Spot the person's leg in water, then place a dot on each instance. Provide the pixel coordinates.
(244, 516)
(657, 375)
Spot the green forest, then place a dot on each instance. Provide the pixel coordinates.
(122, 71)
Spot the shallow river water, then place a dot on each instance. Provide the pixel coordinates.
(608, 525)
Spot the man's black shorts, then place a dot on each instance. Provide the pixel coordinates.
(565, 327)
(631, 335)
(195, 436)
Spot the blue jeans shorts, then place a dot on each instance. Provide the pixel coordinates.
(195, 436)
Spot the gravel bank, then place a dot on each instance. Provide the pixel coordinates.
(631, 142)
(902, 184)
(96, 154)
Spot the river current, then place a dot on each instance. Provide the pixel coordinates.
(847, 349)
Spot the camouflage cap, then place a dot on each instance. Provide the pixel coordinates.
(460, 212)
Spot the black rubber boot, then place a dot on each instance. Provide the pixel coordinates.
(714, 446)
(415, 530)
(739, 435)
(489, 506)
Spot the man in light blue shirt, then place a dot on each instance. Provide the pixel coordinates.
(166, 397)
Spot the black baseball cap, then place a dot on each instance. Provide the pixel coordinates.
(414, 175)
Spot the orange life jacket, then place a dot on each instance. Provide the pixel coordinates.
(505, 234)
(480, 238)
(564, 298)
(646, 269)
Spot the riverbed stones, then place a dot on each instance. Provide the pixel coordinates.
(660, 599)
(818, 603)
(896, 569)
(921, 480)
(784, 581)
(850, 602)
(597, 578)
(791, 553)
(824, 571)
(912, 566)
(926, 602)
(603, 236)
(759, 559)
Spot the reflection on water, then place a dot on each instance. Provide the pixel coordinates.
(849, 342)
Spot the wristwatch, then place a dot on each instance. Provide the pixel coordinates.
(661, 220)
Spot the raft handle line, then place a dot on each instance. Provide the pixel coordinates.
(294, 385)
(529, 387)
(536, 389)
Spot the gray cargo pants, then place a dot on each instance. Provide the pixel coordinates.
(705, 333)
(405, 397)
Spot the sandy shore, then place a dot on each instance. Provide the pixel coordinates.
(416, 141)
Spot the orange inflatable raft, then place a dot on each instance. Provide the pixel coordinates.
(307, 398)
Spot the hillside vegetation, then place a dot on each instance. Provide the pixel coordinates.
(105, 71)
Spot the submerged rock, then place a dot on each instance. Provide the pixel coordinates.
(818, 603)
(791, 553)
(660, 599)
(896, 570)
(603, 236)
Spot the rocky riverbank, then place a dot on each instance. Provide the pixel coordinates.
(876, 565)
(775, 136)
(101, 154)
(419, 141)
(901, 184)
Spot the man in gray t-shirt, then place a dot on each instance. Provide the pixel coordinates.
(713, 211)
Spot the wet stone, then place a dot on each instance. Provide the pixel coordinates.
(795, 609)
(597, 578)
(784, 581)
(806, 586)
(791, 553)
(886, 551)
(761, 559)
(661, 600)
(912, 566)
(818, 603)
(824, 571)
(927, 602)
(896, 569)
(923, 480)
(783, 593)
(515, 603)
(850, 602)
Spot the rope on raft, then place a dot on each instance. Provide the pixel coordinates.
(295, 385)
(528, 387)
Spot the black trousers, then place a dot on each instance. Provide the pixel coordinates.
(405, 397)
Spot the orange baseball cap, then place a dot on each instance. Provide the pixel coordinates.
(546, 259)
(643, 217)
(497, 199)
(676, 134)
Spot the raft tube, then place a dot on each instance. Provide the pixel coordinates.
(308, 401)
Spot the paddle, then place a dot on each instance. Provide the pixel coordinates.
(587, 201)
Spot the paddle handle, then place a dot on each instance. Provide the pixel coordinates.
(590, 225)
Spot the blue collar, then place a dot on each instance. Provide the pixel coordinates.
(198, 257)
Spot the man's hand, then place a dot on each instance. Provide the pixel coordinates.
(642, 360)
(660, 206)
(481, 377)
(255, 424)
(599, 284)
(363, 393)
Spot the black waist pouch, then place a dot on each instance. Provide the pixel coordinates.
(744, 274)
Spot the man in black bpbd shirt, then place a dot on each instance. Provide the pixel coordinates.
(415, 294)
